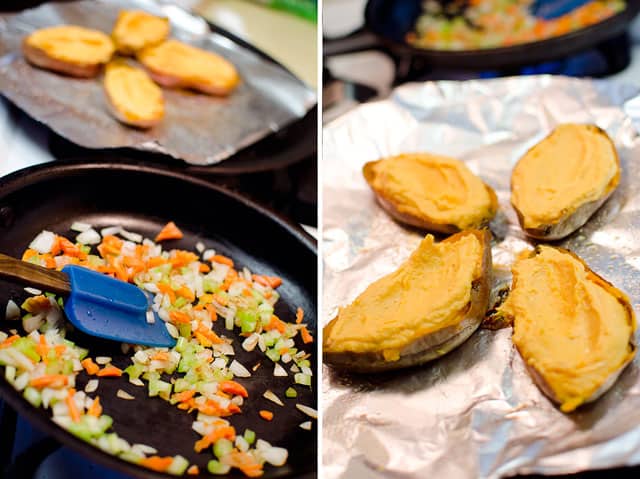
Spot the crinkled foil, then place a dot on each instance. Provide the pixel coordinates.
(197, 128)
(475, 412)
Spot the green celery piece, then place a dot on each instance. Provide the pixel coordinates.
(222, 447)
(216, 467)
(291, 393)
(249, 436)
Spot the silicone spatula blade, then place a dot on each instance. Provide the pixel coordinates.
(550, 9)
(96, 304)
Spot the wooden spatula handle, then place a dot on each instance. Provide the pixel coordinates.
(33, 275)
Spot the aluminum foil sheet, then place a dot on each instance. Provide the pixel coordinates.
(197, 128)
(475, 412)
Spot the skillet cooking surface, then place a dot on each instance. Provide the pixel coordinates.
(143, 199)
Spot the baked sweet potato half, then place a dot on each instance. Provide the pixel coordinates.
(560, 182)
(432, 192)
(430, 305)
(135, 30)
(573, 329)
(68, 49)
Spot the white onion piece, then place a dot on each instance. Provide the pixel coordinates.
(89, 237)
(306, 425)
(80, 227)
(239, 370)
(124, 395)
(276, 456)
(34, 291)
(309, 411)
(200, 246)
(279, 370)
(43, 243)
(110, 230)
(12, 311)
(269, 394)
(135, 237)
(92, 386)
(102, 360)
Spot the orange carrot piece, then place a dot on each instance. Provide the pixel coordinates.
(232, 387)
(155, 261)
(212, 311)
(204, 268)
(9, 341)
(160, 356)
(28, 254)
(96, 408)
(184, 395)
(110, 371)
(186, 293)
(221, 300)
(266, 415)
(179, 317)
(306, 335)
(157, 463)
(246, 463)
(271, 281)
(55, 381)
(226, 432)
(169, 231)
(111, 245)
(193, 470)
(59, 349)
(218, 258)
(89, 366)
(275, 323)
(167, 289)
(71, 404)
(299, 315)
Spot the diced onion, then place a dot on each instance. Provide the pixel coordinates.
(309, 411)
(80, 227)
(110, 230)
(92, 386)
(151, 318)
(239, 370)
(12, 311)
(276, 456)
(135, 237)
(250, 343)
(34, 291)
(279, 370)
(306, 425)
(200, 246)
(89, 237)
(103, 360)
(208, 254)
(173, 331)
(269, 394)
(43, 243)
(143, 449)
(136, 382)
(124, 395)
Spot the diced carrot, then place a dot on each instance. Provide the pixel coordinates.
(271, 281)
(110, 371)
(306, 335)
(266, 415)
(111, 245)
(42, 349)
(275, 323)
(181, 258)
(96, 408)
(299, 315)
(193, 470)
(9, 341)
(246, 463)
(71, 405)
(160, 356)
(55, 381)
(203, 340)
(89, 366)
(184, 395)
(168, 290)
(28, 254)
(36, 304)
(157, 463)
(179, 317)
(218, 258)
(204, 268)
(232, 387)
(221, 300)
(210, 334)
(226, 432)
(155, 261)
(212, 312)
(59, 349)
(169, 231)
(68, 248)
(186, 293)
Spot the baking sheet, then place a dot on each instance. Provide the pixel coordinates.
(197, 128)
(474, 412)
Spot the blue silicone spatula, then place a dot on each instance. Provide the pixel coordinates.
(96, 304)
(550, 9)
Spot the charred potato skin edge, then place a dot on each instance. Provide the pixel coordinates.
(569, 224)
(425, 349)
(423, 223)
(537, 377)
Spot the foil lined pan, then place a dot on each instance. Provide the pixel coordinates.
(197, 128)
(475, 412)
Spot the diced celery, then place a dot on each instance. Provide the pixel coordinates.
(216, 467)
(222, 447)
(130, 457)
(304, 363)
(249, 436)
(151, 375)
(273, 354)
(178, 466)
(270, 338)
(27, 346)
(33, 396)
(134, 370)
(82, 353)
(67, 367)
(185, 330)
(248, 320)
(181, 344)
(291, 393)
(180, 302)
(180, 385)
(303, 379)
(61, 302)
(50, 295)
(158, 387)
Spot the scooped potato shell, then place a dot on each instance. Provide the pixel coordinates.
(433, 345)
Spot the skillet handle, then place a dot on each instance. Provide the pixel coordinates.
(358, 41)
(32, 275)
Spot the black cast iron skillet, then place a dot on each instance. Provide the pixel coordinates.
(143, 199)
(387, 22)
